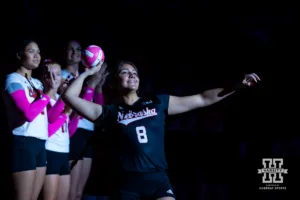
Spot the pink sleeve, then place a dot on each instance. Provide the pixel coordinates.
(30, 111)
(55, 111)
(74, 119)
(88, 93)
(99, 99)
(52, 128)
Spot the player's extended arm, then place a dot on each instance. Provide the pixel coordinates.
(30, 111)
(84, 108)
(179, 105)
(52, 128)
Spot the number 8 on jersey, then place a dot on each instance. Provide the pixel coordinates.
(141, 134)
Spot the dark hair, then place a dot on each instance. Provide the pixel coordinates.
(66, 43)
(120, 65)
(22, 45)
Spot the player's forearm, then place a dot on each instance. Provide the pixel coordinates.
(30, 110)
(215, 95)
(55, 111)
(59, 122)
(73, 124)
(75, 87)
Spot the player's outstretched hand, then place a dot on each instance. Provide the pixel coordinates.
(250, 80)
(96, 78)
(94, 70)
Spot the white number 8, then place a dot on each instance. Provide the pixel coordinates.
(141, 134)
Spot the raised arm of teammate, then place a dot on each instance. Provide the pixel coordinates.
(84, 108)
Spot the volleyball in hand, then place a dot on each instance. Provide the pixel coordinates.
(92, 55)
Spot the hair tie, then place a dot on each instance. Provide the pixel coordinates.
(47, 60)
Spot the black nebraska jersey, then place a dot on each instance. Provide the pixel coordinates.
(137, 132)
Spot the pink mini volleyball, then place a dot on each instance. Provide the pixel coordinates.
(92, 55)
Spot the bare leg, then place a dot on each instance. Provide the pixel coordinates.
(64, 187)
(85, 172)
(75, 179)
(38, 182)
(51, 186)
(23, 184)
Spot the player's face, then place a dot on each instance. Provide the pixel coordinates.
(73, 52)
(31, 57)
(129, 78)
(56, 70)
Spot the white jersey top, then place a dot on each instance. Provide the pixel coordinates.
(65, 74)
(85, 124)
(59, 141)
(82, 123)
(38, 128)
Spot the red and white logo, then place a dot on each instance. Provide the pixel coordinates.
(126, 118)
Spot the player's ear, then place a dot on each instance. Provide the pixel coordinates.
(18, 56)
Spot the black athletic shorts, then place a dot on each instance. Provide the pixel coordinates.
(153, 185)
(57, 163)
(28, 153)
(78, 143)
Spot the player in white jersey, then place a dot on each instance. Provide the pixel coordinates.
(84, 128)
(28, 122)
(57, 181)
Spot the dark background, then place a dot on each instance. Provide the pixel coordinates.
(182, 48)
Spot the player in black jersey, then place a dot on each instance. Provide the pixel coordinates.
(137, 123)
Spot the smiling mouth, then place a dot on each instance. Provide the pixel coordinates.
(132, 82)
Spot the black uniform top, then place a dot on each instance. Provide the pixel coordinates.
(138, 132)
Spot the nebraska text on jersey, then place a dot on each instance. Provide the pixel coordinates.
(134, 116)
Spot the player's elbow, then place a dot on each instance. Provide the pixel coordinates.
(66, 96)
(96, 113)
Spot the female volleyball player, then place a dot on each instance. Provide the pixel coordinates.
(80, 128)
(27, 117)
(138, 126)
(57, 181)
